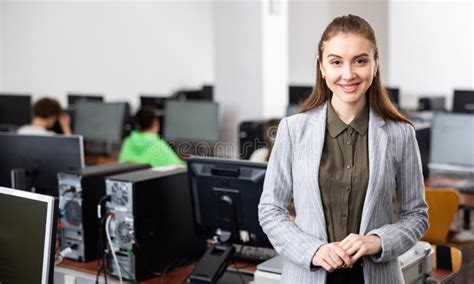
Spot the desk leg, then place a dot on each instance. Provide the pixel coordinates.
(467, 219)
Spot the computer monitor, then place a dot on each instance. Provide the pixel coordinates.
(193, 95)
(297, 94)
(74, 98)
(463, 101)
(208, 92)
(15, 110)
(36, 160)
(27, 236)
(100, 122)
(154, 101)
(452, 141)
(191, 121)
(423, 137)
(394, 94)
(431, 104)
(225, 194)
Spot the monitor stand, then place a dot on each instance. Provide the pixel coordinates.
(213, 264)
(21, 179)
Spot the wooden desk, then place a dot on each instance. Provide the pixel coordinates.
(91, 160)
(178, 275)
(466, 201)
(442, 276)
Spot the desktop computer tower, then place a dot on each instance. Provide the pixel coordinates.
(151, 226)
(250, 137)
(79, 193)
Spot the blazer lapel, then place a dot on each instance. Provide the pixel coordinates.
(377, 144)
(318, 128)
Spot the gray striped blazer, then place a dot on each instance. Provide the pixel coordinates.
(293, 169)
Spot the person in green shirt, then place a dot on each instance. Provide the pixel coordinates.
(144, 146)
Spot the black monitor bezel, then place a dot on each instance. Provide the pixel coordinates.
(229, 163)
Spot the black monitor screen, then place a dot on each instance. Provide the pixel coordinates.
(73, 99)
(27, 226)
(394, 94)
(463, 101)
(155, 102)
(423, 136)
(43, 157)
(15, 110)
(100, 122)
(195, 95)
(225, 196)
(299, 93)
(193, 121)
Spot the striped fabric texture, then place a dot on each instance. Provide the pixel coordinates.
(394, 166)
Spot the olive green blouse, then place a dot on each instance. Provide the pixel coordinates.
(344, 173)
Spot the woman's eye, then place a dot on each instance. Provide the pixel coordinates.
(361, 61)
(336, 62)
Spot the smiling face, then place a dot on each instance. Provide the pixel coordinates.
(348, 65)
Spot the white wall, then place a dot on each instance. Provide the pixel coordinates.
(275, 58)
(307, 21)
(431, 48)
(117, 48)
(238, 68)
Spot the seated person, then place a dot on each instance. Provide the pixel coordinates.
(144, 146)
(46, 112)
(269, 133)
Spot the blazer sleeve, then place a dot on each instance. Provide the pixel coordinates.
(413, 222)
(286, 237)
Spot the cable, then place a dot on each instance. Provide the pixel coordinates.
(104, 199)
(101, 256)
(235, 264)
(100, 251)
(170, 267)
(107, 233)
(102, 259)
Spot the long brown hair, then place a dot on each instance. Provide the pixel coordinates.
(378, 97)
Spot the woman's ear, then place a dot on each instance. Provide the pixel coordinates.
(376, 67)
(321, 69)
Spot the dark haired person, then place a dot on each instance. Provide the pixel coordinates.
(143, 145)
(341, 159)
(263, 154)
(46, 112)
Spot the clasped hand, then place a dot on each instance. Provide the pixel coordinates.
(345, 253)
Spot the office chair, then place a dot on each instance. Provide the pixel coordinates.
(442, 207)
(447, 257)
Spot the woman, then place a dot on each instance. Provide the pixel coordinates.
(340, 159)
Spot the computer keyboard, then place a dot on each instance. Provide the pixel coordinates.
(255, 253)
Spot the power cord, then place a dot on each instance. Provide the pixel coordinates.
(101, 256)
(170, 267)
(235, 264)
(111, 246)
